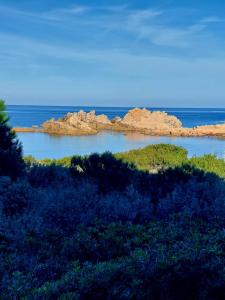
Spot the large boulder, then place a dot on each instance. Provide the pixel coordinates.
(77, 124)
(143, 119)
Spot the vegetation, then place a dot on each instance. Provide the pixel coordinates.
(146, 224)
(155, 157)
(152, 159)
(11, 163)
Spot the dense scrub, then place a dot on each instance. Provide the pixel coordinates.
(104, 227)
(154, 158)
(101, 229)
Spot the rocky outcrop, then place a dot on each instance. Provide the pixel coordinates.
(136, 120)
(89, 123)
(143, 119)
(80, 123)
(209, 130)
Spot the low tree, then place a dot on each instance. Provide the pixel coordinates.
(11, 162)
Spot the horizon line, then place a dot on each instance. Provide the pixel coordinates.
(133, 106)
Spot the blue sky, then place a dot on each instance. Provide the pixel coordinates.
(113, 53)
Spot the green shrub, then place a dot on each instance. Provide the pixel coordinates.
(209, 163)
(155, 157)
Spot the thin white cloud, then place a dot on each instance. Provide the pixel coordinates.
(149, 25)
(97, 50)
(46, 16)
(212, 19)
(31, 49)
(173, 37)
(64, 13)
(140, 16)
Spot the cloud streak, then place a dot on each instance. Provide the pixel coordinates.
(143, 24)
(112, 50)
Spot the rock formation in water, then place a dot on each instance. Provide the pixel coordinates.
(143, 119)
(89, 123)
(136, 120)
(80, 123)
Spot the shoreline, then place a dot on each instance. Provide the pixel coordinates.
(188, 132)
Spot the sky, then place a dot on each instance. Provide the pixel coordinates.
(167, 53)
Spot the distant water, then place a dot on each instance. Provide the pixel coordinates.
(43, 145)
(35, 115)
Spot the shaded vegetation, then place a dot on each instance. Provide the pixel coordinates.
(11, 163)
(146, 224)
(152, 159)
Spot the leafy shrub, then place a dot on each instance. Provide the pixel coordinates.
(209, 163)
(155, 157)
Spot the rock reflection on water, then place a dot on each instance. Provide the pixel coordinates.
(138, 137)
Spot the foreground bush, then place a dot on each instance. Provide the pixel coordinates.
(11, 162)
(102, 229)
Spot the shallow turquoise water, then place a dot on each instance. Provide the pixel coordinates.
(42, 145)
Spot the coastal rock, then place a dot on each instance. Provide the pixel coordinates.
(209, 130)
(136, 120)
(80, 123)
(116, 120)
(143, 119)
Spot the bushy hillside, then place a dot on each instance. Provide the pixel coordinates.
(101, 229)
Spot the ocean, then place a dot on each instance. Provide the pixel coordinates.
(29, 115)
(42, 145)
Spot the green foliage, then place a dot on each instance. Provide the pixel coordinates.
(3, 116)
(64, 162)
(11, 163)
(209, 163)
(158, 261)
(155, 157)
(152, 159)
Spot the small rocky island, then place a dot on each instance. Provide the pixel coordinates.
(144, 121)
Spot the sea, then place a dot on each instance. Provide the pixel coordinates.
(41, 145)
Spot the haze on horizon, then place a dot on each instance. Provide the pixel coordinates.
(113, 53)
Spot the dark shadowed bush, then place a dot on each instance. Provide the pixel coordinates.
(11, 162)
(108, 172)
(103, 229)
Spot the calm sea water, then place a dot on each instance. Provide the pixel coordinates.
(35, 115)
(43, 145)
